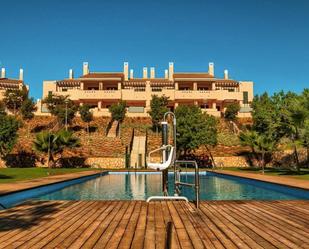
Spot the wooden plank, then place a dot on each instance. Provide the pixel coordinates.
(127, 237)
(137, 224)
(121, 227)
(34, 240)
(28, 214)
(183, 237)
(287, 219)
(91, 241)
(207, 237)
(283, 212)
(226, 242)
(167, 218)
(243, 232)
(193, 234)
(247, 221)
(150, 238)
(72, 232)
(94, 225)
(225, 228)
(278, 226)
(138, 239)
(105, 237)
(160, 228)
(22, 234)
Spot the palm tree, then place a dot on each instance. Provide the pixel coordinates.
(297, 114)
(260, 144)
(54, 143)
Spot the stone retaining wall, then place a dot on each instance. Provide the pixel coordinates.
(106, 162)
(231, 161)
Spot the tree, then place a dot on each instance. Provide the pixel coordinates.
(118, 111)
(54, 143)
(86, 115)
(13, 99)
(295, 127)
(8, 134)
(231, 111)
(194, 129)
(260, 144)
(158, 106)
(305, 139)
(2, 109)
(61, 107)
(27, 109)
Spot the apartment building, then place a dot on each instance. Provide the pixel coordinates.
(102, 89)
(9, 83)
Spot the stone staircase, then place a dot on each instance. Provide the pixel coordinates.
(113, 130)
(138, 151)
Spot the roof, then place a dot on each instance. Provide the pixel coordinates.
(10, 81)
(103, 75)
(149, 79)
(193, 75)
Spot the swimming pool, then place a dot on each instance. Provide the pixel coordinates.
(141, 185)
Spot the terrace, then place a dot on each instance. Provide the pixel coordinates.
(138, 224)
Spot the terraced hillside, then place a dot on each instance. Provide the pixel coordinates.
(97, 144)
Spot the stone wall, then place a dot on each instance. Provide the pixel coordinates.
(2, 164)
(106, 162)
(231, 161)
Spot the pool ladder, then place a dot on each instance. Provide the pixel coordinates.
(178, 183)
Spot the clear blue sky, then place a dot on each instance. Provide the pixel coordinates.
(266, 41)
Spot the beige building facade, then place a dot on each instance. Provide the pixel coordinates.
(102, 89)
(10, 83)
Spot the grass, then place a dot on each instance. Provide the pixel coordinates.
(9, 175)
(304, 173)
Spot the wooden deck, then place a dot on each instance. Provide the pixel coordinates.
(137, 224)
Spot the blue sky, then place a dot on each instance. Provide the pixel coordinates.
(261, 40)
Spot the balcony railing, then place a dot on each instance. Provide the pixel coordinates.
(131, 94)
(94, 94)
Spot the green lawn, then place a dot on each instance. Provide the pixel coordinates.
(8, 175)
(304, 173)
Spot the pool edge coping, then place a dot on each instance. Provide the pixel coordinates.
(70, 177)
(276, 179)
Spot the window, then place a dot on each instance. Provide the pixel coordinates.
(245, 98)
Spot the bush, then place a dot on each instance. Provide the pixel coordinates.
(232, 111)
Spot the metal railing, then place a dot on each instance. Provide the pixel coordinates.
(195, 185)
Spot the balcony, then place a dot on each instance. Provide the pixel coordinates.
(77, 94)
(205, 94)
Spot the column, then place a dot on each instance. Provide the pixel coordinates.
(99, 105)
(148, 95)
(194, 86)
(214, 105)
(213, 86)
(119, 85)
(82, 85)
(195, 102)
(175, 105)
(176, 86)
(100, 85)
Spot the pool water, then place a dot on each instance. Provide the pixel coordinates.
(140, 186)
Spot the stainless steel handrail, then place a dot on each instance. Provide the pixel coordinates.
(195, 185)
(171, 198)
